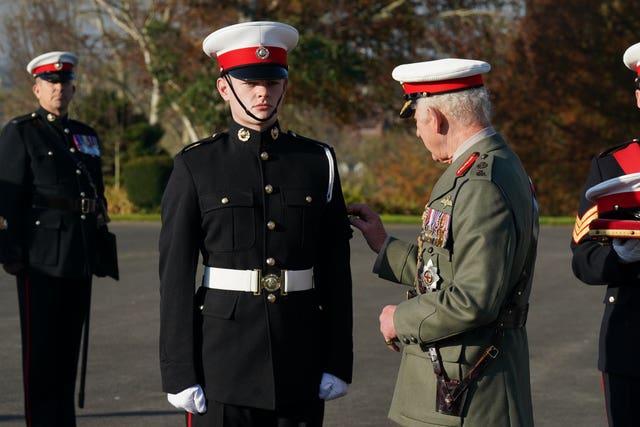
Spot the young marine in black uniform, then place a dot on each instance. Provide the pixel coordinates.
(614, 263)
(268, 336)
(51, 211)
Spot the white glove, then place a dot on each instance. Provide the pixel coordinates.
(332, 387)
(191, 400)
(628, 250)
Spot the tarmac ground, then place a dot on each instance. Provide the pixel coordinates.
(123, 378)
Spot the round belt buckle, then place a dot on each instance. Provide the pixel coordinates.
(270, 282)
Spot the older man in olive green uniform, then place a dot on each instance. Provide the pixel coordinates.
(465, 359)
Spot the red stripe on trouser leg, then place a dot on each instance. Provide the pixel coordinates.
(27, 350)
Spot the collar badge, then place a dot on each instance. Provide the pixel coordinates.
(244, 134)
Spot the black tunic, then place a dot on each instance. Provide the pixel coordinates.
(238, 203)
(37, 171)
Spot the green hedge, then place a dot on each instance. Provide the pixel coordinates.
(145, 178)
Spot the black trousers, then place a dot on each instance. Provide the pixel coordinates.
(52, 312)
(222, 415)
(621, 395)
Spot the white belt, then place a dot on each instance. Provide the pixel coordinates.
(253, 280)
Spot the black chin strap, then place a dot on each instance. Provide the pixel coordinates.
(246, 110)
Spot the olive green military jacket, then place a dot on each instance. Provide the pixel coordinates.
(485, 224)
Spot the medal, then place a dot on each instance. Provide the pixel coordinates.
(429, 278)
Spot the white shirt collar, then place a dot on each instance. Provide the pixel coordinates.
(478, 136)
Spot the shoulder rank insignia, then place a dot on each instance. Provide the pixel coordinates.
(467, 163)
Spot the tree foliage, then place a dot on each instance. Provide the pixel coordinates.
(564, 94)
(561, 93)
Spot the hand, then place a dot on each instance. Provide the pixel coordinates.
(13, 268)
(191, 400)
(332, 387)
(387, 327)
(368, 222)
(628, 250)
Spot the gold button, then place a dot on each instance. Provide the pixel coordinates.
(73, 150)
(271, 298)
(309, 199)
(264, 155)
(271, 262)
(268, 189)
(271, 225)
(66, 130)
(50, 153)
(224, 200)
(612, 299)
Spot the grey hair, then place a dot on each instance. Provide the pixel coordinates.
(467, 106)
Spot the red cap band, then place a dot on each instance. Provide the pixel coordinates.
(443, 86)
(55, 67)
(253, 56)
(616, 201)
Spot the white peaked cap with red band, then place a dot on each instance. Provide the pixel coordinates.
(52, 62)
(618, 202)
(624, 184)
(252, 50)
(428, 78)
(631, 58)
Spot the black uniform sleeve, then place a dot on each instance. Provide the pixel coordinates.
(178, 244)
(333, 281)
(14, 184)
(595, 262)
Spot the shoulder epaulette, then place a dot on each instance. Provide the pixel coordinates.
(330, 160)
(26, 117)
(482, 167)
(204, 141)
(306, 139)
(618, 147)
